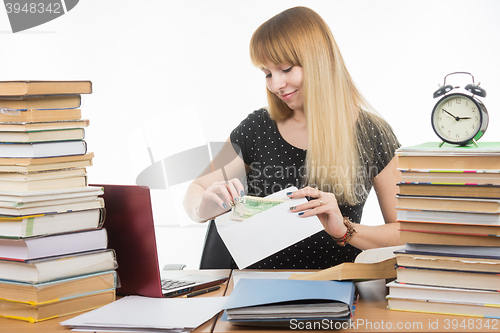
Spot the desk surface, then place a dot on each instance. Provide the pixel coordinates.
(371, 315)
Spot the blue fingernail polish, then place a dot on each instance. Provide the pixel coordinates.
(224, 206)
(242, 193)
(293, 207)
(236, 199)
(301, 213)
(288, 193)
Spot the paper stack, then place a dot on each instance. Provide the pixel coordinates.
(275, 302)
(53, 257)
(143, 314)
(449, 214)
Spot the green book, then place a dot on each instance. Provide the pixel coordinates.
(434, 148)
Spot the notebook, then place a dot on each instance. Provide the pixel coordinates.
(130, 226)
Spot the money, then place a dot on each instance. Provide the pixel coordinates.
(248, 206)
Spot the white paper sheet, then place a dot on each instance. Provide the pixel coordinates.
(151, 313)
(268, 232)
(128, 330)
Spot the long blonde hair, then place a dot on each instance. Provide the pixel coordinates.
(299, 36)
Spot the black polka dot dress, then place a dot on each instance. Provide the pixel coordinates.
(276, 165)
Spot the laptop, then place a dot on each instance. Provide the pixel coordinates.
(131, 233)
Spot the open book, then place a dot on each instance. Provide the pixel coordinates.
(379, 263)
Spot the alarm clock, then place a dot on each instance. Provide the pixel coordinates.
(459, 117)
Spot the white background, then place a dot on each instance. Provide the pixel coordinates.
(173, 75)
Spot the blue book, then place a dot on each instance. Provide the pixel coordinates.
(276, 302)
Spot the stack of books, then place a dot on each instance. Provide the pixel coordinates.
(54, 259)
(449, 213)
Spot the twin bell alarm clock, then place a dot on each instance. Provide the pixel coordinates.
(459, 117)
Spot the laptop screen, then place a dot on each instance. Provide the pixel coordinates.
(131, 233)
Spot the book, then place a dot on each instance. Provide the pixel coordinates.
(55, 268)
(436, 149)
(43, 102)
(42, 164)
(43, 136)
(33, 115)
(419, 291)
(448, 204)
(450, 176)
(448, 190)
(464, 162)
(448, 278)
(464, 308)
(379, 263)
(43, 149)
(481, 218)
(276, 301)
(23, 89)
(21, 206)
(28, 248)
(44, 184)
(56, 207)
(45, 224)
(36, 313)
(282, 312)
(430, 155)
(21, 199)
(40, 175)
(36, 126)
(83, 163)
(453, 250)
(451, 228)
(56, 290)
(466, 239)
(458, 262)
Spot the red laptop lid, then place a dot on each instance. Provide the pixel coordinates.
(131, 233)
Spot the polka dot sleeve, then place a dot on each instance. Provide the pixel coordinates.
(245, 134)
(378, 141)
(386, 149)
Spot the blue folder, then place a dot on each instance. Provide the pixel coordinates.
(259, 292)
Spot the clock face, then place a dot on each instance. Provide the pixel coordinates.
(456, 118)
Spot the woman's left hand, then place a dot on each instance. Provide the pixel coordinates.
(325, 206)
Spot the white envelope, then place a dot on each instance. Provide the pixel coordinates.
(266, 233)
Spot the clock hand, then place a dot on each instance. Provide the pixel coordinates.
(456, 118)
(464, 118)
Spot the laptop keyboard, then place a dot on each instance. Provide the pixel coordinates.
(172, 284)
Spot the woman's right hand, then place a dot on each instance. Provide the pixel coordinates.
(219, 198)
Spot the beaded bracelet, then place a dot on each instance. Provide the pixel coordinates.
(349, 234)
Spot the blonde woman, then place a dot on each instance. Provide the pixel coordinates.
(318, 134)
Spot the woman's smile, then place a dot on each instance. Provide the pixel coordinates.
(288, 96)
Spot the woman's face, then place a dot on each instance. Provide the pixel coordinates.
(285, 81)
